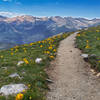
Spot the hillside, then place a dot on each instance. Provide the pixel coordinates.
(6, 45)
(89, 42)
(27, 29)
(26, 64)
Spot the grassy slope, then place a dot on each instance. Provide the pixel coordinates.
(89, 42)
(33, 74)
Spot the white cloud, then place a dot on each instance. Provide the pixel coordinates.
(10, 14)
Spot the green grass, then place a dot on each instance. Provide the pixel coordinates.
(34, 75)
(89, 42)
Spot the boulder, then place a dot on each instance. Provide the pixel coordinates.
(12, 89)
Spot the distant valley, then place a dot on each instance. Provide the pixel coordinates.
(26, 29)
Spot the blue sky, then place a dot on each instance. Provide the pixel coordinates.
(74, 8)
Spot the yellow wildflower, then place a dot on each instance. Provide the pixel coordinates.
(45, 51)
(26, 61)
(12, 53)
(43, 41)
(50, 47)
(54, 50)
(25, 51)
(58, 36)
(19, 96)
(98, 38)
(53, 45)
(24, 48)
(87, 41)
(29, 85)
(12, 49)
(1, 56)
(49, 42)
(24, 91)
(52, 57)
(31, 44)
(48, 39)
(78, 34)
(30, 98)
(41, 46)
(39, 41)
(16, 50)
(99, 61)
(97, 30)
(87, 47)
(26, 44)
(16, 47)
(48, 52)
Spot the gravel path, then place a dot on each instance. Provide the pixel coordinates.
(71, 75)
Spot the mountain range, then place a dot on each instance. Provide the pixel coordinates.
(26, 29)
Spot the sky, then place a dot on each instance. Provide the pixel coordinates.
(69, 8)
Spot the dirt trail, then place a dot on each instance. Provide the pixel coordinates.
(71, 75)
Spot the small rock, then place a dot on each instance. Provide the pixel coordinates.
(38, 60)
(84, 55)
(92, 56)
(14, 75)
(50, 81)
(70, 50)
(20, 62)
(98, 75)
(93, 71)
(75, 46)
(12, 89)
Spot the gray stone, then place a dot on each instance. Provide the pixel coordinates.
(12, 89)
(38, 60)
(20, 62)
(92, 55)
(50, 81)
(98, 75)
(14, 75)
(84, 55)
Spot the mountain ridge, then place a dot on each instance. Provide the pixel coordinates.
(27, 29)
